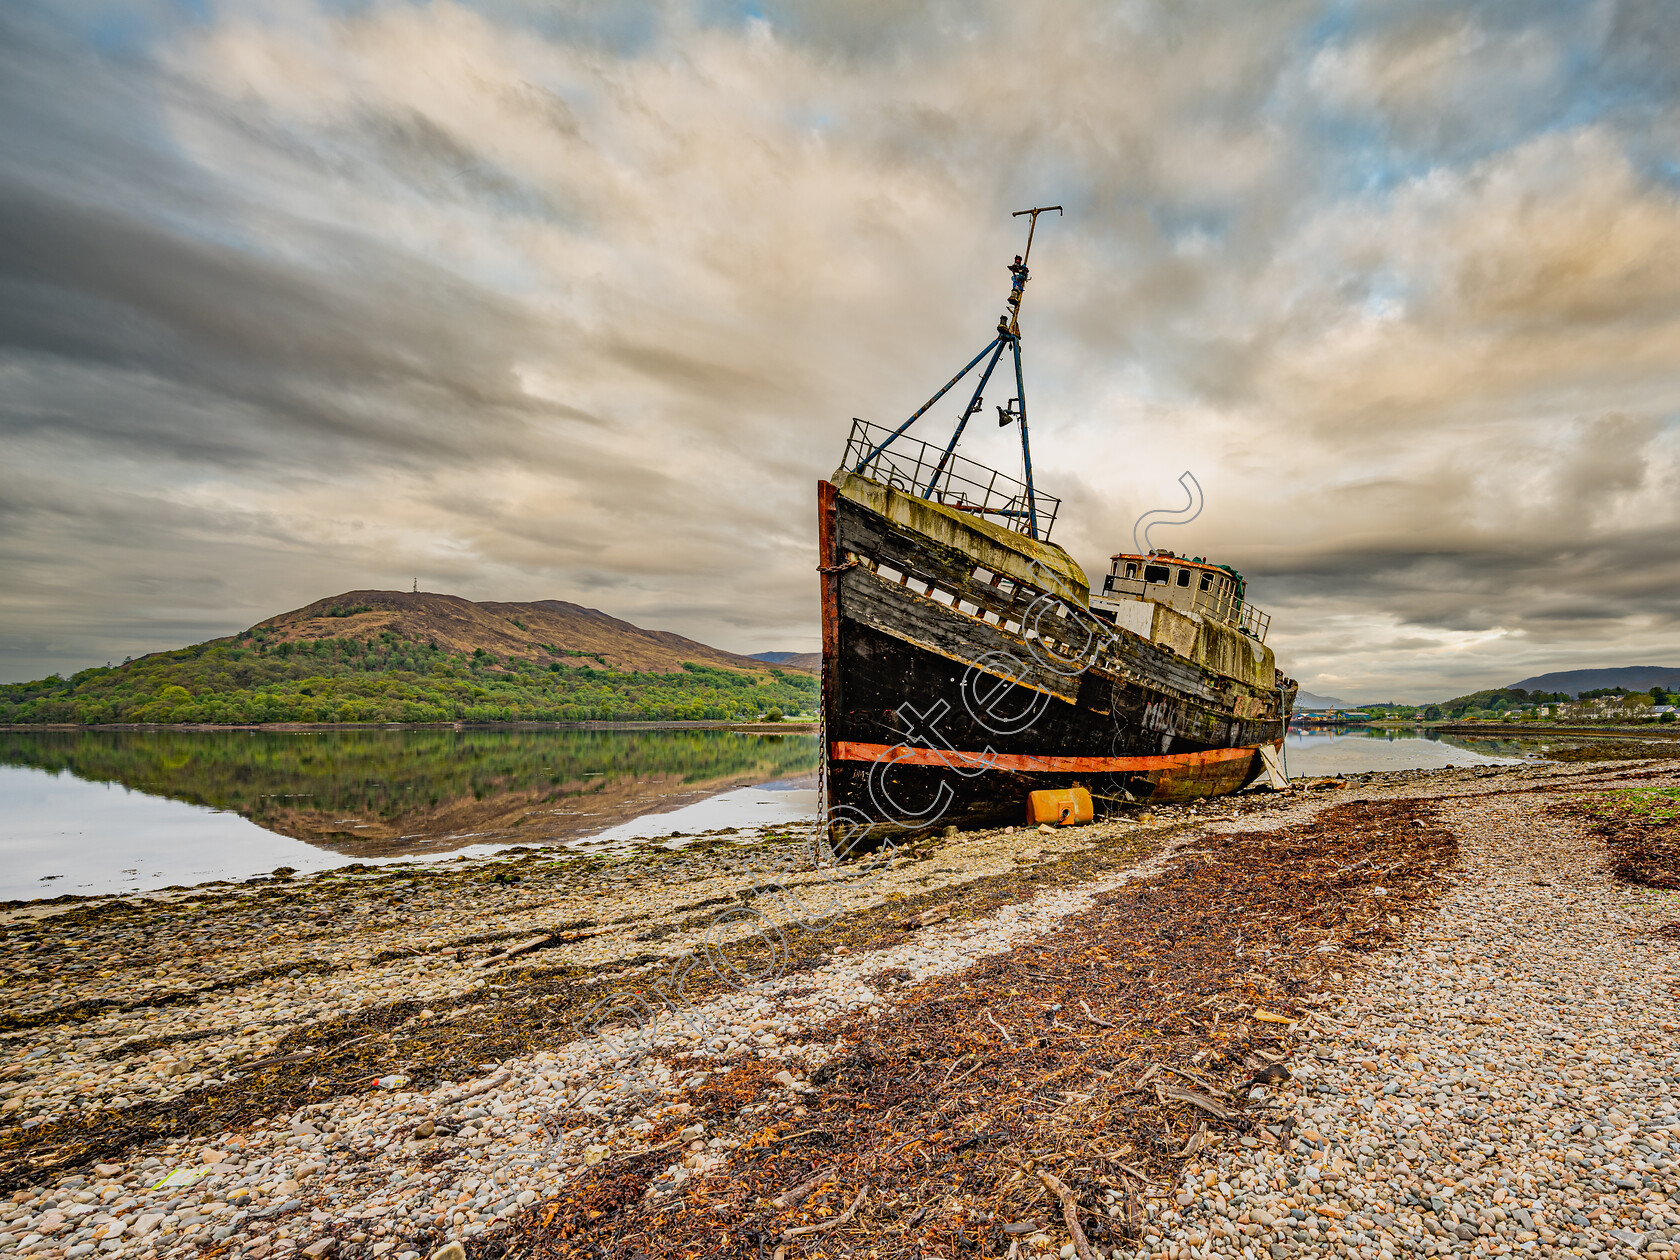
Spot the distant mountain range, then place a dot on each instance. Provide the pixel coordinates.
(1307, 700)
(1633, 677)
(792, 660)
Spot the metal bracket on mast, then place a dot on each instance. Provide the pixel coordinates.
(1008, 337)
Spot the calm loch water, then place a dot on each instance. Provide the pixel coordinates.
(1357, 751)
(116, 811)
(95, 812)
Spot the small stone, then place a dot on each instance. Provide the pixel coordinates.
(320, 1247)
(449, 1251)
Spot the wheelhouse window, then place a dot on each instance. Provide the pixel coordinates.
(1207, 582)
(1131, 570)
(1157, 573)
(1184, 577)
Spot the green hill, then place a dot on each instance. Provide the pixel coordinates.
(341, 661)
(1511, 702)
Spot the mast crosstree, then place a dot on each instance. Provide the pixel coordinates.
(1007, 337)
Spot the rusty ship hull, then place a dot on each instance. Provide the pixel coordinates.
(965, 666)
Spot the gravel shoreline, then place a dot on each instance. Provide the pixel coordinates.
(1506, 1071)
(1505, 1082)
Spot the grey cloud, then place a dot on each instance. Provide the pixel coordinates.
(1610, 459)
(99, 288)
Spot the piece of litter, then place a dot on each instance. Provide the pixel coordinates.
(391, 1082)
(184, 1176)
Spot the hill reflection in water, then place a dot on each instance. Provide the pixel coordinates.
(385, 793)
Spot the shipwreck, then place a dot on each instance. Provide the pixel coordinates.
(967, 662)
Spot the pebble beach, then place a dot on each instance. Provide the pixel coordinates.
(1507, 1081)
(1503, 1078)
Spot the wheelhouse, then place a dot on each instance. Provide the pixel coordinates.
(1183, 583)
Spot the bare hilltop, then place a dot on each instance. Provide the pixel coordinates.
(534, 630)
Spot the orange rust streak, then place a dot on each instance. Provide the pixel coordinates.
(847, 750)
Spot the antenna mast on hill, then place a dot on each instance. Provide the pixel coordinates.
(416, 589)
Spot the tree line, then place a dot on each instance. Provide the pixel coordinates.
(386, 678)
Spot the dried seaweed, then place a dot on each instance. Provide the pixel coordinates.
(948, 1123)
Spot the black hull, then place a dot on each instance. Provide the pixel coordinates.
(940, 709)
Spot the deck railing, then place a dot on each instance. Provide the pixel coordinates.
(908, 465)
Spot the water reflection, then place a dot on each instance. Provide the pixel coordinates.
(108, 811)
(352, 795)
(1355, 750)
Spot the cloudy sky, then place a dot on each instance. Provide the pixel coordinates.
(553, 299)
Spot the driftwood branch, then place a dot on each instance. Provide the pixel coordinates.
(927, 918)
(540, 941)
(953, 1067)
(1138, 1173)
(279, 1058)
(1070, 1214)
(999, 1027)
(647, 1150)
(356, 1041)
(970, 1072)
(795, 1195)
(1092, 1017)
(524, 947)
(1198, 1139)
(788, 1137)
(1200, 1080)
(482, 1087)
(1198, 1100)
(832, 1223)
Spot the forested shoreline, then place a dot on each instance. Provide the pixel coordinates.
(249, 680)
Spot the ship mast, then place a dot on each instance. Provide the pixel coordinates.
(1007, 337)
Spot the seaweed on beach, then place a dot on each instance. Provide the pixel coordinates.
(1641, 829)
(1623, 749)
(1106, 1054)
(517, 1012)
